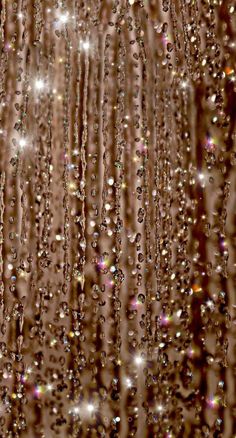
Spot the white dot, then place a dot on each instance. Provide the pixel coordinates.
(85, 45)
(111, 181)
(138, 360)
(213, 97)
(39, 84)
(184, 84)
(63, 18)
(128, 383)
(90, 407)
(22, 142)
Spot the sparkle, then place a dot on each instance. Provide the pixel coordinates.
(90, 408)
(210, 304)
(184, 84)
(128, 382)
(39, 84)
(64, 17)
(210, 143)
(110, 181)
(103, 263)
(166, 39)
(22, 142)
(24, 378)
(138, 360)
(72, 185)
(135, 303)
(80, 278)
(75, 410)
(85, 45)
(190, 352)
(165, 319)
(213, 402)
(53, 342)
(223, 243)
(38, 391)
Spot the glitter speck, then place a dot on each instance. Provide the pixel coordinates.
(184, 84)
(39, 84)
(75, 410)
(85, 45)
(138, 360)
(128, 382)
(90, 408)
(64, 17)
(213, 402)
(165, 319)
(22, 142)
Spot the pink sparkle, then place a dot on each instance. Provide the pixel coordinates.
(165, 319)
(210, 143)
(213, 402)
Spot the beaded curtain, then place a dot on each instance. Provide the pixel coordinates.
(117, 218)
